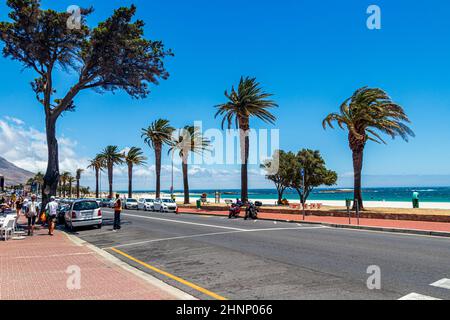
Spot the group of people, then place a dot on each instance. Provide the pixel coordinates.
(30, 209)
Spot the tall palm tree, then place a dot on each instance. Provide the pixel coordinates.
(39, 180)
(134, 157)
(65, 178)
(97, 164)
(78, 177)
(111, 156)
(249, 100)
(156, 135)
(189, 139)
(70, 181)
(366, 114)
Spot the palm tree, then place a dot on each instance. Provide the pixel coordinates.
(248, 101)
(78, 177)
(366, 114)
(70, 181)
(111, 156)
(156, 135)
(134, 157)
(65, 178)
(97, 164)
(39, 180)
(189, 140)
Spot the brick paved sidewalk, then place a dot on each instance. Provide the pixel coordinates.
(35, 269)
(383, 223)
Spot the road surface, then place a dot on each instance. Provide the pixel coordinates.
(214, 258)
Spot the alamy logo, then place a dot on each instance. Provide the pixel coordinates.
(374, 281)
(374, 20)
(74, 280)
(74, 21)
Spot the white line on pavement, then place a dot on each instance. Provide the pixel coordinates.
(205, 235)
(443, 283)
(417, 296)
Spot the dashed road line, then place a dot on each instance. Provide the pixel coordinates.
(417, 296)
(443, 284)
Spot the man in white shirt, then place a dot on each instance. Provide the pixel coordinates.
(31, 213)
(52, 211)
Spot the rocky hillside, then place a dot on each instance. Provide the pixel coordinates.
(13, 174)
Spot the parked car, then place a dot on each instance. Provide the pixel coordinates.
(62, 209)
(104, 203)
(165, 205)
(83, 213)
(130, 204)
(146, 204)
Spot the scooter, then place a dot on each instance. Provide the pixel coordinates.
(252, 210)
(235, 210)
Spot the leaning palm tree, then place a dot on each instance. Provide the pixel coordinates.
(366, 114)
(134, 157)
(111, 156)
(97, 164)
(248, 101)
(156, 135)
(70, 181)
(65, 178)
(189, 139)
(78, 178)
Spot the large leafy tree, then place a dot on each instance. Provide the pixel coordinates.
(158, 134)
(97, 164)
(367, 114)
(280, 170)
(134, 157)
(111, 156)
(188, 140)
(315, 173)
(249, 100)
(112, 56)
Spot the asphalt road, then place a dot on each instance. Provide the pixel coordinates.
(238, 259)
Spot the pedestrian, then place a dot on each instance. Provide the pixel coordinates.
(51, 209)
(117, 212)
(31, 214)
(19, 205)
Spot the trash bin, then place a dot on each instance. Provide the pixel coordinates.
(415, 200)
(348, 203)
(199, 204)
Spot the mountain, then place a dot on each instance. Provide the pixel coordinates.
(13, 174)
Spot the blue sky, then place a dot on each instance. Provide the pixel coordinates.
(312, 55)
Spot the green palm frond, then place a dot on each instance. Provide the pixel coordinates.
(158, 133)
(135, 156)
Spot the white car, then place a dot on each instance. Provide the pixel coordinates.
(130, 204)
(165, 205)
(146, 204)
(83, 213)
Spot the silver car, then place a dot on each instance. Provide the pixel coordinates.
(83, 213)
(146, 204)
(165, 205)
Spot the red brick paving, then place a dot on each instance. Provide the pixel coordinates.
(35, 268)
(385, 223)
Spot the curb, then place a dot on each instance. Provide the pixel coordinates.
(177, 293)
(346, 226)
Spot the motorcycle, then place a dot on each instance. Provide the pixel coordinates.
(252, 210)
(235, 210)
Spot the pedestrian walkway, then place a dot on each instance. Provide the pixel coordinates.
(45, 268)
(380, 223)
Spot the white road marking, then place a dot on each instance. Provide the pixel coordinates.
(204, 235)
(443, 283)
(417, 296)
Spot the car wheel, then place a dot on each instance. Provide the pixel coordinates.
(99, 226)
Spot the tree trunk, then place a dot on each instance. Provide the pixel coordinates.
(64, 189)
(158, 150)
(110, 180)
(78, 189)
(186, 183)
(60, 189)
(96, 183)
(357, 167)
(130, 180)
(51, 177)
(245, 149)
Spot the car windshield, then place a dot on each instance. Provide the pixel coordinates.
(149, 200)
(168, 201)
(131, 200)
(85, 205)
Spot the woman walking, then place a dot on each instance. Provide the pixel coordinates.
(31, 213)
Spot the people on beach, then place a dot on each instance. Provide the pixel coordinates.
(117, 212)
(52, 211)
(31, 214)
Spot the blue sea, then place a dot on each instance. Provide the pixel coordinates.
(427, 194)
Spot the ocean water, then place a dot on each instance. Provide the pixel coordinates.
(431, 194)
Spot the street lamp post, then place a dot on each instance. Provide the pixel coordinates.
(302, 172)
(171, 188)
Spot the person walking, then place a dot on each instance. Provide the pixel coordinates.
(117, 212)
(51, 208)
(31, 214)
(19, 205)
